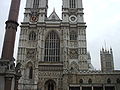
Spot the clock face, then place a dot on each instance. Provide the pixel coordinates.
(33, 18)
(73, 18)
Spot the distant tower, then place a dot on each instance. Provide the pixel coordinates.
(107, 63)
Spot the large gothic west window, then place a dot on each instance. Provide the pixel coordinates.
(52, 47)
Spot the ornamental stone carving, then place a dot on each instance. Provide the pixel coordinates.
(31, 53)
(73, 53)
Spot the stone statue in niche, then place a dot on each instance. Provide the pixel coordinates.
(73, 53)
(31, 53)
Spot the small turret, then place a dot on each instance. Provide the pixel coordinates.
(107, 63)
(89, 62)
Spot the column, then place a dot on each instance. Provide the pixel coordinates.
(80, 87)
(11, 28)
(8, 83)
(103, 87)
(92, 88)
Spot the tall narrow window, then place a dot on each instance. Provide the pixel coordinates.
(52, 47)
(50, 86)
(32, 36)
(36, 4)
(73, 35)
(108, 80)
(30, 72)
(72, 4)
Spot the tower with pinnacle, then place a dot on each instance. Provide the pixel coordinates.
(53, 51)
(107, 63)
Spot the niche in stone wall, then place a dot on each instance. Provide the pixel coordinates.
(73, 53)
(31, 53)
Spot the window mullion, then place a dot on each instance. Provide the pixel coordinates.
(52, 48)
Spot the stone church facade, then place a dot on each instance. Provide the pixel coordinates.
(53, 52)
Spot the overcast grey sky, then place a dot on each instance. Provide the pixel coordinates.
(103, 25)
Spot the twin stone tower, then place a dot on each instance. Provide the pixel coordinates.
(52, 52)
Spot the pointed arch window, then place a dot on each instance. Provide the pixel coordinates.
(90, 81)
(52, 47)
(50, 85)
(81, 81)
(72, 4)
(30, 72)
(108, 80)
(73, 35)
(32, 36)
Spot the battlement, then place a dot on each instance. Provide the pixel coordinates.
(105, 51)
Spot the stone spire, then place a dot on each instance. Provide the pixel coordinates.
(11, 28)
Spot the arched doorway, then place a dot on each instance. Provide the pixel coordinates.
(50, 85)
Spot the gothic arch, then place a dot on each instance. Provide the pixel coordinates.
(47, 33)
(108, 80)
(29, 70)
(73, 35)
(50, 85)
(32, 36)
(52, 47)
(90, 81)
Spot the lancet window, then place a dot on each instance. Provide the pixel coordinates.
(32, 36)
(72, 4)
(36, 4)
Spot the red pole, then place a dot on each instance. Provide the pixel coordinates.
(11, 28)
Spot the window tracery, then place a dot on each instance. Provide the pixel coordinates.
(73, 35)
(52, 47)
(32, 36)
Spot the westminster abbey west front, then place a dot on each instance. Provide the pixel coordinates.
(53, 52)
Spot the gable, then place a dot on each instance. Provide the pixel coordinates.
(54, 16)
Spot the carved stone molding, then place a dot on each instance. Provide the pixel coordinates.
(31, 53)
(73, 53)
